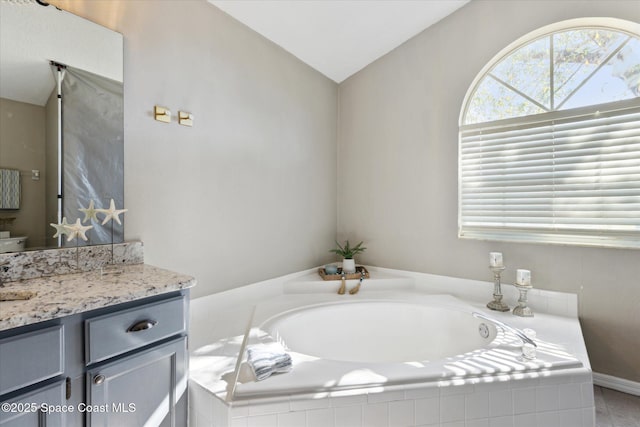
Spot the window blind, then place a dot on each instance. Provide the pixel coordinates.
(558, 179)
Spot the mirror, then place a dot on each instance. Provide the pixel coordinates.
(64, 153)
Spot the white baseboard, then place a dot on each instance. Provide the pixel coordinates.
(615, 383)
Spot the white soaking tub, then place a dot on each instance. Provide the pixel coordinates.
(380, 331)
(399, 353)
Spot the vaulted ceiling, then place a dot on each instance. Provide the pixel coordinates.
(338, 37)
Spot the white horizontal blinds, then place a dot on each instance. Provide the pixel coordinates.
(553, 179)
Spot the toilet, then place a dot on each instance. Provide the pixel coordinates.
(12, 244)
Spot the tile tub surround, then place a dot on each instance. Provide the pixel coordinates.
(52, 262)
(564, 400)
(63, 295)
(546, 398)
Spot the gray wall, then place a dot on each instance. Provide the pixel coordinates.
(248, 192)
(397, 172)
(22, 147)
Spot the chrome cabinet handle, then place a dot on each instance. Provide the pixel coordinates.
(99, 379)
(142, 325)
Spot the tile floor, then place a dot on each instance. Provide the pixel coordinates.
(616, 409)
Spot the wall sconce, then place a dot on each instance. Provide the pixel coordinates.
(185, 119)
(162, 114)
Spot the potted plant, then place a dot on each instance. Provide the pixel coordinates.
(347, 252)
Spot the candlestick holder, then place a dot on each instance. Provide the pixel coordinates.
(112, 214)
(111, 267)
(522, 309)
(497, 303)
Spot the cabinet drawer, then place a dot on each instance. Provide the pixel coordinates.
(30, 358)
(24, 410)
(112, 334)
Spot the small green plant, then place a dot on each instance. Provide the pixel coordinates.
(346, 251)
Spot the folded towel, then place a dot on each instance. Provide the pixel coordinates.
(9, 189)
(268, 358)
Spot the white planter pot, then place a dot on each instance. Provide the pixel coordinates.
(349, 266)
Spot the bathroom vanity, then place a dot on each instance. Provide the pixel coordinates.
(96, 350)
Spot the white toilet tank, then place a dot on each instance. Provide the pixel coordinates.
(12, 244)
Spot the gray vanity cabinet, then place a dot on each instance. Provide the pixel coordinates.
(28, 363)
(144, 389)
(136, 377)
(118, 366)
(25, 410)
(30, 358)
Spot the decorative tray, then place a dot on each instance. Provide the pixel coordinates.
(338, 275)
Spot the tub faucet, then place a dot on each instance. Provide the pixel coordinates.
(343, 286)
(357, 287)
(525, 339)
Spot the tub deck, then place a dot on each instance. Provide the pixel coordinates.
(212, 366)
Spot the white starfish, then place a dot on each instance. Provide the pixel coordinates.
(111, 213)
(89, 213)
(61, 229)
(77, 230)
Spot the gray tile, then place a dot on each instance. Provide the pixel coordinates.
(624, 420)
(622, 402)
(603, 421)
(598, 399)
(602, 412)
(616, 409)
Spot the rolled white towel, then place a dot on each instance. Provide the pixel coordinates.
(268, 358)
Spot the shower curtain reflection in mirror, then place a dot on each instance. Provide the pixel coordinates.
(92, 147)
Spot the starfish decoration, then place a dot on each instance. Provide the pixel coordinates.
(111, 213)
(77, 230)
(89, 213)
(61, 229)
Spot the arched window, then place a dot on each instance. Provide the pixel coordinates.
(550, 139)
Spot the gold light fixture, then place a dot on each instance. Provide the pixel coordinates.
(185, 119)
(162, 114)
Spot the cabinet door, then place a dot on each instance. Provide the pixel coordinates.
(25, 410)
(140, 390)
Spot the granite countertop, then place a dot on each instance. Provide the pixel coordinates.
(64, 295)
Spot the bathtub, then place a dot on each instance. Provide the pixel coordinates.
(380, 331)
(398, 353)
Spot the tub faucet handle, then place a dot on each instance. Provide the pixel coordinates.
(356, 288)
(520, 334)
(343, 286)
